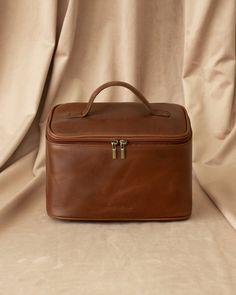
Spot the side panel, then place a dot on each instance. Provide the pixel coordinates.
(153, 182)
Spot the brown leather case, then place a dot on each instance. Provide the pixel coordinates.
(119, 161)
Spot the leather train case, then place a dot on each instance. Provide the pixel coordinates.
(119, 161)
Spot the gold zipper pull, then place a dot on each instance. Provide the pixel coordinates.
(123, 143)
(113, 148)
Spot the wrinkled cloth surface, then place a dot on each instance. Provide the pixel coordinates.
(55, 52)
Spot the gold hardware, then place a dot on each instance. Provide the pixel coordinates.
(113, 148)
(123, 143)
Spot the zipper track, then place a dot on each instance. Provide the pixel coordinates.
(108, 139)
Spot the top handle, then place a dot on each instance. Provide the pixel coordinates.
(85, 112)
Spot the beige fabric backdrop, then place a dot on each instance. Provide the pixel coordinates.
(59, 51)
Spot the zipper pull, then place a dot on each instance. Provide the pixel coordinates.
(123, 143)
(113, 148)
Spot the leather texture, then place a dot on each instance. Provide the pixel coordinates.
(149, 177)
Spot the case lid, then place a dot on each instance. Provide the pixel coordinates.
(118, 120)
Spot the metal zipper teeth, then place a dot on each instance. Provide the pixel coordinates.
(109, 139)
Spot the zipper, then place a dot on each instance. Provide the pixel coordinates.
(115, 143)
(138, 138)
(113, 148)
(123, 143)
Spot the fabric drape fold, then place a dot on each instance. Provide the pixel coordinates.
(209, 91)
